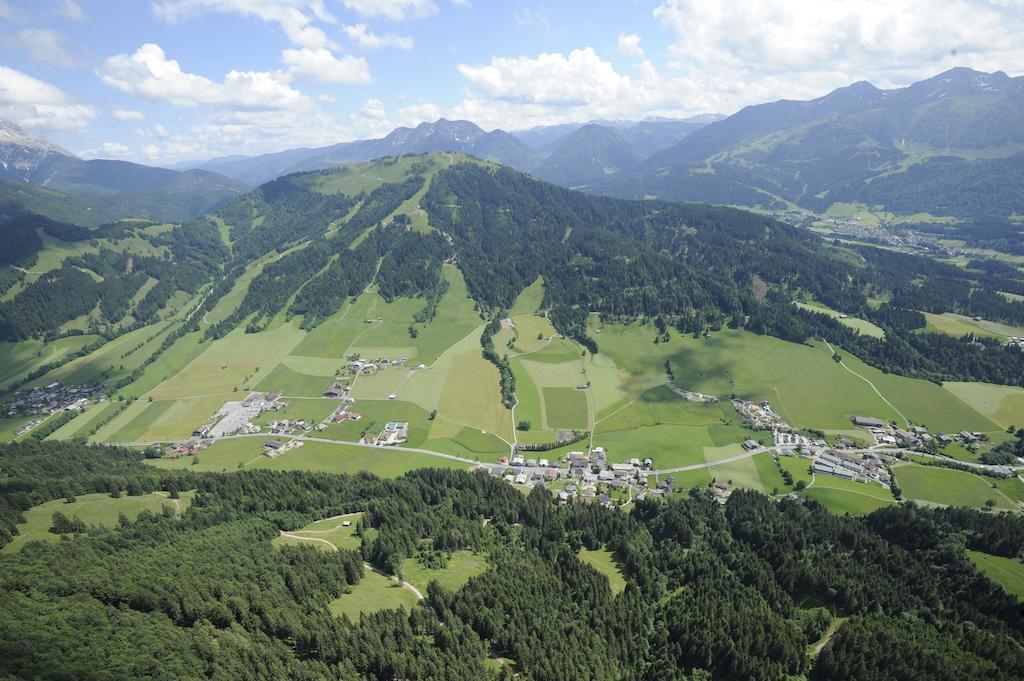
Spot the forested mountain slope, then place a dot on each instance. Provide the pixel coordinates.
(762, 589)
(696, 267)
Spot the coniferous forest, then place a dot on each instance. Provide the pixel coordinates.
(755, 589)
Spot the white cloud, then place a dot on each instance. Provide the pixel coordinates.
(36, 105)
(114, 150)
(629, 45)
(374, 108)
(396, 10)
(42, 44)
(550, 78)
(365, 38)
(9, 13)
(150, 74)
(295, 17)
(128, 115)
(69, 9)
(322, 66)
(744, 52)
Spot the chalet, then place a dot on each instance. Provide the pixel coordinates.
(751, 445)
(334, 392)
(201, 431)
(521, 479)
(551, 474)
(648, 463)
(944, 439)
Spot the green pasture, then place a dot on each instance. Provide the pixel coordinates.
(529, 299)
(462, 566)
(801, 381)
(1006, 572)
(566, 408)
(844, 496)
(91, 509)
(373, 593)
(959, 325)
(862, 325)
(603, 561)
(948, 487)
(388, 462)
(288, 381)
(1002, 404)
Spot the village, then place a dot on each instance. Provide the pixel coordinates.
(45, 401)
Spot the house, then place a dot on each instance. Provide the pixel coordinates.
(648, 463)
(201, 431)
(543, 463)
(521, 479)
(868, 422)
(334, 392)
(751, 445)
(944, 439)
(551, 474)
(369, 439)
(273, 444)
(635, 463)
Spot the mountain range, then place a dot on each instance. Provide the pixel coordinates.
(949, 145)
(33, 171)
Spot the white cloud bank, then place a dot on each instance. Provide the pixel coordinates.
(39, 106)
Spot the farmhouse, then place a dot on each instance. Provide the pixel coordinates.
(868, 422)
(751, 445)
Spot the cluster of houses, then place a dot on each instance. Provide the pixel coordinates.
(394, 433)
(788, 441)
(759, 415)
(190, 447)
(870, 467)
(342, 415)
(235, 417)
(590, 476)
(46, 400)
(289, 427)
(275, 448)
(916, 436)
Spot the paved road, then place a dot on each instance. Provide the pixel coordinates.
(661, 471)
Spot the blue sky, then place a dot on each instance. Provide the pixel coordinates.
(173, 80)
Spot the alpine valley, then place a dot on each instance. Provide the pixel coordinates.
(725, 397)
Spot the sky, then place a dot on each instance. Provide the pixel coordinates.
(167, 81)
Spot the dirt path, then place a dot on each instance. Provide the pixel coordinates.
(877, 392)
(396, 580)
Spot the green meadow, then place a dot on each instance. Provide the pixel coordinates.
(603, 561)
(373, 593)
(91, 509)
(949, 487)
(1006, 572)
(247, 452)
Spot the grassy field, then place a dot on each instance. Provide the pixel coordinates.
(801, 381)
(843, 496)
(472, 397)
(292, 383)
(529, 299)
(603, 561)
(1007, 572)
(373, 593)
(1003, 404)
(329, 529)
(864, 326)
(462, 566)
(92, 509)
(566, 408)
(959, 325)
(949, 487)
(388, 462)
(19, 359)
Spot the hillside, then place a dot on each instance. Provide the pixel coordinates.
(569, 154)
(948, 145)
(587, 155)
(115, 189)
